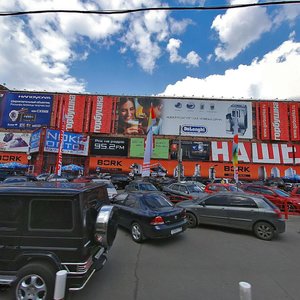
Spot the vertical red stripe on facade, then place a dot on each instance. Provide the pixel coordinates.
(279, 121)
(257, 121)
(101, 117)
(61, 99)
(294, 121)
(74, 108)
(264, 121)
(54, 111)
(88, 110)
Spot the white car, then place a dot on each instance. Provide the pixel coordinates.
(111, 190)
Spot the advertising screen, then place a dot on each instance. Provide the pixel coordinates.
(26, 111)
(14, 141)
(191, 150)
(109, 146)
(73, 143)
(160, 148)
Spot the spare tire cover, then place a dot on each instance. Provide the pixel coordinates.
(106, 225)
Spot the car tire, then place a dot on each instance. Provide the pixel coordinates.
(191, 220)
(264, 231)
(35, 281)
(137, 233)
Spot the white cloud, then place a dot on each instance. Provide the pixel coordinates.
(192, 58)
(238, 28)
(54, 39)
(276, 75)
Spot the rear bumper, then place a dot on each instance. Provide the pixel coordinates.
(165, 231)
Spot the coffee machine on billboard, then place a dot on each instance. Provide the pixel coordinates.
(237, 112)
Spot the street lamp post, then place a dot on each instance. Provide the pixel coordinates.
(179, 156)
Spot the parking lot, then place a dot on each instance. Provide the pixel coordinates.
(203, 263)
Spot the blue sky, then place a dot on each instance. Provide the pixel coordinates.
(249, 52)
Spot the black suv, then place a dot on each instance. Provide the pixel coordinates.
(46, 227)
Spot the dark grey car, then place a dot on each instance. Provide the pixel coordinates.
(237, 210)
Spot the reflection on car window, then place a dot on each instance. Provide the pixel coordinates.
(233, 188)
(147, 187)
(133, 202)
(11, 212)
(240, 201)
(281, 193)
(156, 201)
(217, 200)
(194, 188)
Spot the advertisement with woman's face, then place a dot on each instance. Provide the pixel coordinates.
(133, 115)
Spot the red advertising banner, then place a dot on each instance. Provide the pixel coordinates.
(223, 169)
(294, 121)
(264, 121)
(53, 120)
(88, 110)
(74, 112)
(279, 121)
(102, 114)
(257, 120)
(13, 157)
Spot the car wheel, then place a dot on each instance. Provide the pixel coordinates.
(291, 207)
(35, 281)
(191, 220)
(137, 233)
(264, 231)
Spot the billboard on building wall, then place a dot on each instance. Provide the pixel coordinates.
(13, 157)
(74, 107)
(223, 169)
(279, 120)
(73, 143)
(191, 150)
(35, 140)
(294, 121)
(199, 118)
(264, 121)
(109, 146)
(14, 141)
(26, 110)
(160, 148)
(258, 153)
(101, 116)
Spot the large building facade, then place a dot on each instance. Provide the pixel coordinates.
(108, 133)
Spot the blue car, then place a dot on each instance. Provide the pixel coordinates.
(149, 215)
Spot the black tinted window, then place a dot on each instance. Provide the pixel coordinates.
(156, 201)
(132, 202)
(217, 200)
(51, 214)
(240, 201)
(10, 212)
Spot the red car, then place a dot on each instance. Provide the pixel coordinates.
(295, 192)
(220, 187)
(275, 195)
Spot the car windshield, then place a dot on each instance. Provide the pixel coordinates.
(281, 193)
(155, 201)
(194, 188)
(147, 187)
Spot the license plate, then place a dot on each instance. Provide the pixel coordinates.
(173, 231)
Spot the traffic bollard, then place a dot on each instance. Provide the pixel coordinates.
(245, 290)
(60, 285)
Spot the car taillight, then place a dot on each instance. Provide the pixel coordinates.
(157, 221)
(278, 212)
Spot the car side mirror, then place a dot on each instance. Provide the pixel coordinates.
(202, 203)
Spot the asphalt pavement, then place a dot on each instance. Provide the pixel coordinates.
(204, 263)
